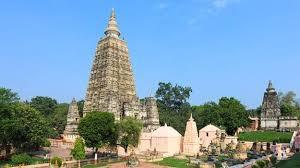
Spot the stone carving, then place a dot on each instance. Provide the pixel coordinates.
(270, 110)
(71, 132)
(191, 142)
(271, 118)
(111, 86)
(270, 106)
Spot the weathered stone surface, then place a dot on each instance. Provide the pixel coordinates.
(111, 86)
(271, 118)
(270, 106)
(71, 132)
(270, 110)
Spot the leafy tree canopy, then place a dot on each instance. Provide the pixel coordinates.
(45, 105)
(98, 129)
(129, 132)
(173, 106)
(228, 113)
(289, 105)
(78, 152)
(80, 105)
(58, 119)
(22, 127)
(7, 96)
(173, 96)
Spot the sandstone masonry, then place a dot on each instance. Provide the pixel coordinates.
(111, 86)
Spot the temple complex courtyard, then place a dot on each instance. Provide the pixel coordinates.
(150, 84)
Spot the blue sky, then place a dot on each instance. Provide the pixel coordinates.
(218, 47)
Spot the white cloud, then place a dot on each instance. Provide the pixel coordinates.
(220, 4)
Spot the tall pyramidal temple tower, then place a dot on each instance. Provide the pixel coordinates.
(270, 110)
(111, 86)
(191, 141)
(71, 132)
(271, 117)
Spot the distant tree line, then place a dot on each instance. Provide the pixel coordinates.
(27, 125)
(175, 110)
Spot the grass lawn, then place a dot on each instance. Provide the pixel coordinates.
(173, 162)
(266, 136)
(101, 164)
(294, 161)
(34, 160)
(95, 165)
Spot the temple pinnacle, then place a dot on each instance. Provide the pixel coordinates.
(191, 117)
(112, 27)
(270, 86)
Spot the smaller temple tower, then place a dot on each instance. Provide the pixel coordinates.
(270, 109)
(191, 142)
(152, 119)
(71, 132)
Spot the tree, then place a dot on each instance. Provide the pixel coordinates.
(228, 113)
(8, 124)
(173, 96)
(33, 128)
(209, 113)
(45, 105)
(58, 119)
(233, 113)
(78, 152)
(22, 127)
(7, 96)
(289, 106)
(254, 112)
(80, 105)
(98, 129)
(173, 106)
(288, 98)
(129, 132)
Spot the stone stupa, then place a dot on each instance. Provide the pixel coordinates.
(71, 132)
(191, 142)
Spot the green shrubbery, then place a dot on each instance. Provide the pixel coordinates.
(20, 159)
(24, 159)
(261, 164)
(267, 136)
(273, 160)
(57, 161)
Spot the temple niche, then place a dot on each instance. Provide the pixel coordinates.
(111, 86)
(271, 118)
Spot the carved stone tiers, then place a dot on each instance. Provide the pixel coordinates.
(71, 132)
(111, 86)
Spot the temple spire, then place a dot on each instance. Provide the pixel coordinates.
(112, 27)
(270, 86)
(191, 117)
